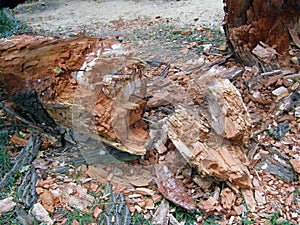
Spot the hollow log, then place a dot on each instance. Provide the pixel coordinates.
(87, 83)
(263, 28)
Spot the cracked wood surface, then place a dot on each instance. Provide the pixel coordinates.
(86, 83)
(247, 23)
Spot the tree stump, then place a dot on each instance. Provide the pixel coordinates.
(263, 28)
(89, 84)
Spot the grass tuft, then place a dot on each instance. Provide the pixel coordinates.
(9, 25)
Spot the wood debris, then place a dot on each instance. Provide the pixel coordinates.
(171, 188)
(160, 216)
(199, 130)
(41, 214)
(229, 116)
(7, 205)
(208, 158)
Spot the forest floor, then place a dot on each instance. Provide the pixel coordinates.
(172, 37)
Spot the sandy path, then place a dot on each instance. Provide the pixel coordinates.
(69, 14)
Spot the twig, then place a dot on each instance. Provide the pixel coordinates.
(19, 125)
(164, 73)
(274, 72)
(6, 109)
(25, 157)
(252, 152)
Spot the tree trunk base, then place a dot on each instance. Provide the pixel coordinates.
(249, 24)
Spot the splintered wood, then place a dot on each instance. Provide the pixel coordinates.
(274, 23)
(229, 116)
(86, 83)
(216, 153)
(93, 86)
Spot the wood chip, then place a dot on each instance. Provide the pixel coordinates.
(296, 165)
(7, 205)
(227, 198)
(144, 191)
(18, 141)
(171, 188)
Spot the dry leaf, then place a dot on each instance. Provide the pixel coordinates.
(18, 141)
(47, 201)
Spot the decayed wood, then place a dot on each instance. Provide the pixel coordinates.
(249, 23)
(171, 188)
(216, 157)
(216, 152)
(86, 83)
(229, 116)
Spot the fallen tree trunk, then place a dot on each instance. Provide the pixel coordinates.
(89, 84)
(263, 33)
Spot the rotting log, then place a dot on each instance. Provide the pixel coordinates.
(87, 83)
(263, 28)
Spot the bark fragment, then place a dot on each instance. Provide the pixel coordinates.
(171, 188)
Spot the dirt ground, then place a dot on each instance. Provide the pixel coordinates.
(67, 15)
(145, 24)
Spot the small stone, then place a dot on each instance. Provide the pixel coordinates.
(280, 92)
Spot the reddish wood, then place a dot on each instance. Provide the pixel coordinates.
(247, 23)
(86, 83)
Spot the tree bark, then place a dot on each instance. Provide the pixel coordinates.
(86, 83)
(262, 33)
